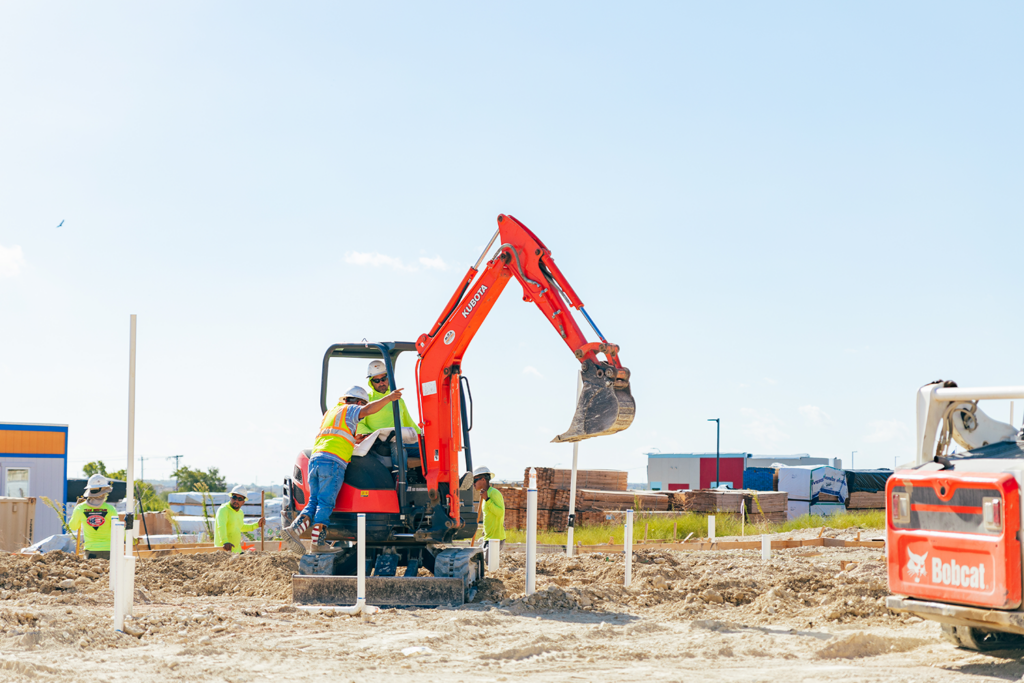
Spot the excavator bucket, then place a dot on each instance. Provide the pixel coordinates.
(605, 405)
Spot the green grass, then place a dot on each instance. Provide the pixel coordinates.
(661, 527)
(867, 519)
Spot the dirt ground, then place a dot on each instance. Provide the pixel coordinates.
(714, 615)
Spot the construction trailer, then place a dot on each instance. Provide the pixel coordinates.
(692, 471)
(33, 464)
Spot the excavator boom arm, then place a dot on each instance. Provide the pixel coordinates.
(605, 405)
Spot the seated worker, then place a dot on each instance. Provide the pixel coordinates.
(98, 516)
(377, 379)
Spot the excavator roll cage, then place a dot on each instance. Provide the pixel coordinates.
(388, 352)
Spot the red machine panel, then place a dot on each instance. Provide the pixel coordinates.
(351, 499)
(952, 537)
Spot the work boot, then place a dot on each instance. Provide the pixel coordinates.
(293, 532)
(320, 543)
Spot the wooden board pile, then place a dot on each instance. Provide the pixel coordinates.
(759, 506)
(561, 480)
(597, 491)
(865, 500)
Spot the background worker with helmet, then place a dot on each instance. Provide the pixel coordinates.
(95, 517)
(328, 461)
(492, 504)
(377, 379)
(231, 522)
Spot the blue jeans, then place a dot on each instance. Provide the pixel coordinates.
(326, 475)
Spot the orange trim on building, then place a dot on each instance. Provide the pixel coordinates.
(18, 441)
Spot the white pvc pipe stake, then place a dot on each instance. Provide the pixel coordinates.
(766, 547)
(531, 533)
(493, 554)
(627, 543)
(127, 583)
(572, 498)
(116, 561)
(360, 606)
(115, 534)
(360, 560)
(572, 482)
(711, 527)
(126, 570)
(129, 500)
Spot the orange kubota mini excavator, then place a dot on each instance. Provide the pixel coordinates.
(415, 492)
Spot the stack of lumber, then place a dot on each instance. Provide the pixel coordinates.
(709, 500)
(603, 480)
(768, 506)
(597, 491)
(588, 499)
(514, 496)
(865, 500)
(515, 518)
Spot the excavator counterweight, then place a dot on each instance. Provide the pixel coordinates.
(605, 404)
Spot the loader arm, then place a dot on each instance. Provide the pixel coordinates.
(605, 405)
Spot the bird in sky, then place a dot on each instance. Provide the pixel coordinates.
(61, 223)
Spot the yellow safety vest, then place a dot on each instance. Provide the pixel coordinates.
(334, 436)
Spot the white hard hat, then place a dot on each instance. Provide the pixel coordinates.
(480, 471)
(240, 491)
(377, 367)
(97, 485)
(356, 392)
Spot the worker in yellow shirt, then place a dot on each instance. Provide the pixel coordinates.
(377, 380)
(231, 522)
(95, 517)
(493, 505)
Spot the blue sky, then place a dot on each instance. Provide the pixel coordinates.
(789, 216)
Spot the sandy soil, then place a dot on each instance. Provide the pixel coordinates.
(722, 615)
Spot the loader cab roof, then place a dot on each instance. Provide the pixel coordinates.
(387, 351)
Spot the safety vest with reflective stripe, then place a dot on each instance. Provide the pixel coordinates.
(334, 436)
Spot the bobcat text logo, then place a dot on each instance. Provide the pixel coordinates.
(915, 565)
(962, 575)
(474, 301)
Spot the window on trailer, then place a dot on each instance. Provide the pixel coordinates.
(17, 482)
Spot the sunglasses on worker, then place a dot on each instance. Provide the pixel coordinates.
(379, 380)
(234, 497)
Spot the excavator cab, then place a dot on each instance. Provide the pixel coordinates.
(385, 483)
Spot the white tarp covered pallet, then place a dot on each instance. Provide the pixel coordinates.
(808, 482)
(799, 508)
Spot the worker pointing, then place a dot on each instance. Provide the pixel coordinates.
(95, 516)
(331, 455)
(231, 522)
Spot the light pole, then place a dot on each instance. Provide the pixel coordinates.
(851, 460)
(718, 441)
